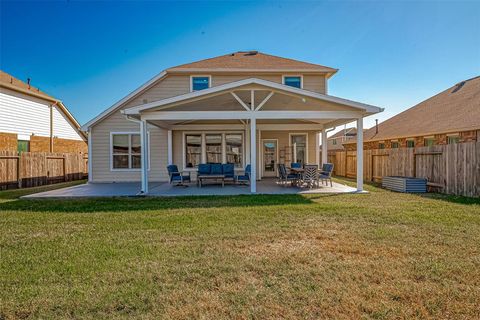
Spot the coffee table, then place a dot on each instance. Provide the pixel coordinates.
(201, 178)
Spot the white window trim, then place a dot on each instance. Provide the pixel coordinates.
(111, 152)
(200, 76)
(203, 141)
(290, 134)
(293, 75)
(262, 171)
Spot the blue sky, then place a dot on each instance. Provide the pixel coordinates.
(91, 54)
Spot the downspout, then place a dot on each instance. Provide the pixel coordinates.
(51, 125)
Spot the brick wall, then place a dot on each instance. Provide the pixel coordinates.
(440, 139)
(8, 141)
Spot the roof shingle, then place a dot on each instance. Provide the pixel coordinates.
(252, 60)
(453, 110)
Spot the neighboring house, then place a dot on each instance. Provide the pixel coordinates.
(32, 121)
(452, 116)
(241, 108)
(336, 141)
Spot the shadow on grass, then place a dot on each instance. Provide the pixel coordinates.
(120, 204)
(451, 198)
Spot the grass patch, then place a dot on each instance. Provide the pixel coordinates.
(380, 255)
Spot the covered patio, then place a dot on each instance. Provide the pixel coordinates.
(257, 109)
(159, 189)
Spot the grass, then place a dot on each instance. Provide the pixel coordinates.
(380, 255)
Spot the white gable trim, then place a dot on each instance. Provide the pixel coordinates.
(106, 112)
(237, 84)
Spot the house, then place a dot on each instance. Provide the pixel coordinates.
(33, 121)
(335, 142)
(452, 116)
(241, 108)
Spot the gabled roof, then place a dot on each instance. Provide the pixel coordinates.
(10, 82)
(453, 110)
(242, 61)
(250, 61)
(268, 84)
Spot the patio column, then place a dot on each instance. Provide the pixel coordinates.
(324, 147)
(169, 148)
(253, 155)
(360, 154)
(317, 148)
(144, 156)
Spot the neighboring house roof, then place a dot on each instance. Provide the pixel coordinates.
(251, 61)
(348, 132)
(453, 110)
(10, 82)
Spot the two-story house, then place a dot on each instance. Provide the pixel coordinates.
(33, 121)
(241, 108)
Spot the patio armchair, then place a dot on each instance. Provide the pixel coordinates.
(310, 175)
(326, 173)
(176, 176)
(245, 178)
(284, 177)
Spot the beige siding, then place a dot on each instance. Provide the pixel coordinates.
(315, 83)
(116, 122)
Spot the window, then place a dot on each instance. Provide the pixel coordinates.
(213, 148)
(234, 149)
(23, 145)
(395, 144)
(429, 142)
(126, 151)
(200, 83)
(298, 143)
(293, 81)
(381, 145)
(410, 143)
(334, 142)
(453, 139)
(193, 150)
(219, 147)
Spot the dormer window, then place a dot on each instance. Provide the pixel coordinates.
(200, 83)
(293, 81)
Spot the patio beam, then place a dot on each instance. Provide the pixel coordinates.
(264, 101)
(236, 115)
(144, 156)
(253, 156)
(324, 147)
(240, 101)
(360, 154)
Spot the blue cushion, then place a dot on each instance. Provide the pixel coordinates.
(228, 170)
(216, 168)
(204, 168)
(295, 165)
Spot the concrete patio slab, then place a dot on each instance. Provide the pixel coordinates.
(129, 189)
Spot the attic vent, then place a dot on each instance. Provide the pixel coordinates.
(251, 53)
(458, 86)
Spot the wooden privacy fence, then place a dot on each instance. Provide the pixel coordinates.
(451, 169)
(31, 169)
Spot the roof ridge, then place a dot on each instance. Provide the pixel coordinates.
(295, 60)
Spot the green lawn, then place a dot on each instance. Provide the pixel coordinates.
(381, 255)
